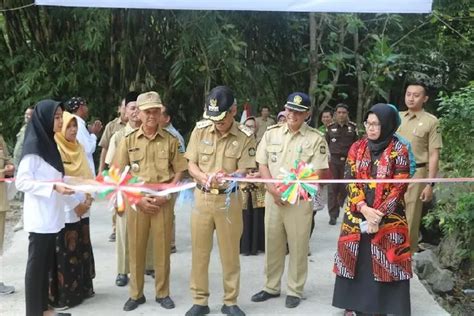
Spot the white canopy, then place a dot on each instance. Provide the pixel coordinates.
(362, 6)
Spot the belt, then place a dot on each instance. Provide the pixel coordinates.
(213, 190)
(421, 165)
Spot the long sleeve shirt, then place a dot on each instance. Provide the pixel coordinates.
(43, 206)
(87, 140)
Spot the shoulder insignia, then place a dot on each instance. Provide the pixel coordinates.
(431, 116)
(274, 126)
(315, 130)
(131, 133)
(247, 131)
(203, 123)
(353, 123)
(165, 130)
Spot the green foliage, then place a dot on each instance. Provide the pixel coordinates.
(456, 219)
(457, 125)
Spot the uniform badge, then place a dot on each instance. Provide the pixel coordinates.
(322, 149)
(349, 129)
(206, 142)
(297, 99)
(333, 129)
(333, 140)
(251, 151)
(205, 158)
(213, 105)
(135, 167)
(235, 143)
(420, 124)
(274, 158)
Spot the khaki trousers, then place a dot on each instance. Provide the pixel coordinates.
(173, 228)
(209, 215)
(140, 226)
(289, 224)
(121, 246)
(414, 207)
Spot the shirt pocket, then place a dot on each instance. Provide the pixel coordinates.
(420, 132)
(136, 156)
(162, 160)
(307, 153)
(205, 154)
(232, 154)
(274, 153)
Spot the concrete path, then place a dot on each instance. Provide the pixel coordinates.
(109, 299)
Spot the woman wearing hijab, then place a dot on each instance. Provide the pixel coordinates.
(373, 260)
(38, 173)
(67, 279)
(253, 236)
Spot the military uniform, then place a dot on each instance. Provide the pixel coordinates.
(5, 159)
(289, 224)
(213, 153)
(423, 132)
(154, 160)
(339, 138)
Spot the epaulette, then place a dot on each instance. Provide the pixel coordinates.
(132, 132)
(316, 131)
(170, 133)
(203, 123)
(353, 123)
(247, 131)
(431, 116)
(274, 126)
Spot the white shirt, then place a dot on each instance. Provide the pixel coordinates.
(87, 140)
(43, 207)
(70, 214)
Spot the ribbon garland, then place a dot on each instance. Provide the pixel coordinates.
(292, 189)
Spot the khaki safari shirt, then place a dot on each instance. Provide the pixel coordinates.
(110, 129)
(115, 141)
(280, 148)
(423, 132)
(230, 152)
(154, 160)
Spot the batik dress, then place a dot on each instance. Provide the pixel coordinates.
(373, 270)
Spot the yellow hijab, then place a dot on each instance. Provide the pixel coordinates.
(72, 154)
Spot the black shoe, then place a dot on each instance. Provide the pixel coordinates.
(149, 272)
(263, 296)
(173, 249)
(165, 302)
(332, 221)
(112, 237)
(198, 310)
(121, 280)
(292, 301)
(233, 310)
(131, 304)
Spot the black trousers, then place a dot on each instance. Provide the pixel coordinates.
(40, 259)
(337, 191)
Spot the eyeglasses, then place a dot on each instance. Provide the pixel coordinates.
(371, 125)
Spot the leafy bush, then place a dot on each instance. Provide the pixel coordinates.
(454, 212)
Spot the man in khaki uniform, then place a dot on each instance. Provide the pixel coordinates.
(422, 130)
(6, 170)
(280, 147)
(263, 121)
(110, 129)
(121, 247)
(218, 144)
(154, 156)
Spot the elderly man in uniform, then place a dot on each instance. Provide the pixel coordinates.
(154, 156)
(340, 136)
(423, 132)
(218, 146)
(280, 147)
(6, 170)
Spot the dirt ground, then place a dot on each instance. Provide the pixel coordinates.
(13, 216)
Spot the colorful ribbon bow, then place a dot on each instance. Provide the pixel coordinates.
(121, 190)
(293, 191)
